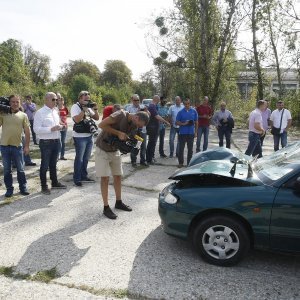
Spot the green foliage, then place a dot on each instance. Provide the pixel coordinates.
(79, 83)
(116, 73)
(45, 276)
(112, 95)
(38, 65)
(12, 68)
(77, 67)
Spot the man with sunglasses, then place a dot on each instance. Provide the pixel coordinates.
(83, 141)
(47, 126)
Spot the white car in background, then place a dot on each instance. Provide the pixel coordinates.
(146, 102)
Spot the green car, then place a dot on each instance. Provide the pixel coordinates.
(227, 206)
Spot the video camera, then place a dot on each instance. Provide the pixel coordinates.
(128, 146)
(90, 104)
(4, 105)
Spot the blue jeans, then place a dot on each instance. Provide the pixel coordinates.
(224, 131)
(63, 135)
(189, 140)
(49, 154)
(142, 149)
(162, 132)
(277, 138)
(16, 153)
(83, 148)
(254, 144)
(205, 131)
(173, 132)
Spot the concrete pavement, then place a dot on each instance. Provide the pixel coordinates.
(131, 257)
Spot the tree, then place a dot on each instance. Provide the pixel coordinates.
(79, 83)
(199, 38)
(254, 26)
(116, 73)
(12, 68)
(77, 67)
(38, 65)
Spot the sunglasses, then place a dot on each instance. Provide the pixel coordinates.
(85, 94)
(136, 100)
(54, 99)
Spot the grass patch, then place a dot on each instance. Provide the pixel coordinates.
(7, 271)
(41, 276)
(45, 276)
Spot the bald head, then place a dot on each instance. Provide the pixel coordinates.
(50, 99)
(156, 99)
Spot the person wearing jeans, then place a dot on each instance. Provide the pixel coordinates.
(204, 113)
(256, 129)
(187, 119)
(47, 126)
(224, 123)
(83, 148)
(280, 118)
(83, 139)
(63, 113)
(13, 126)
(173, 111)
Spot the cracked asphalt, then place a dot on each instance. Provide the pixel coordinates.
(131, 255)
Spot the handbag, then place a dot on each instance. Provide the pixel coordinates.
(275, 130)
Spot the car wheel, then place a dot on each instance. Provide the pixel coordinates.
(221, 240)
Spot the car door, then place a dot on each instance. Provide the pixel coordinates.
(285, 220)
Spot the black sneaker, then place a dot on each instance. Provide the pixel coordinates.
(163, 156)
(58, 186)
(31, 164)
(134, 164)
(79, 184)
(109, 213)
(122, 206)
(144, 164)
(24, 193)
(63, 158)
(45, 190)
(88, 180)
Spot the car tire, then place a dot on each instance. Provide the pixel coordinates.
(221, 240)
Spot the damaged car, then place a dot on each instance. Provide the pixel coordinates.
(227, 206)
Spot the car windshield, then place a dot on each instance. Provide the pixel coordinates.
(275, 166)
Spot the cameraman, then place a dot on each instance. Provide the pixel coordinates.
(120, 124)
(13, 125)
(83, 141)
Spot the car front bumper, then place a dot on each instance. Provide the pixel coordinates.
(174, 223)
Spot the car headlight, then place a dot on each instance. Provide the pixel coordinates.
(170, 199)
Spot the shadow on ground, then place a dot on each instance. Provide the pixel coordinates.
(168, 268)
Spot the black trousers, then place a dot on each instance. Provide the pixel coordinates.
(189, 140)
(153, 133)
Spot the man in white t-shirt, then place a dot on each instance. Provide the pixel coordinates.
(256, 129)
(82, 135)
(280, 118)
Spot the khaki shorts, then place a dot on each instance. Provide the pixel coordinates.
(106, 162)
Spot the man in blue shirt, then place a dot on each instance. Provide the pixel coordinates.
(187, 119)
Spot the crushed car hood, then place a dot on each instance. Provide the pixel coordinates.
(217, 167)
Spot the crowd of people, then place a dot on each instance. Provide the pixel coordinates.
(48, 127)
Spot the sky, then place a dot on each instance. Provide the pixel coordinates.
(92, 30)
